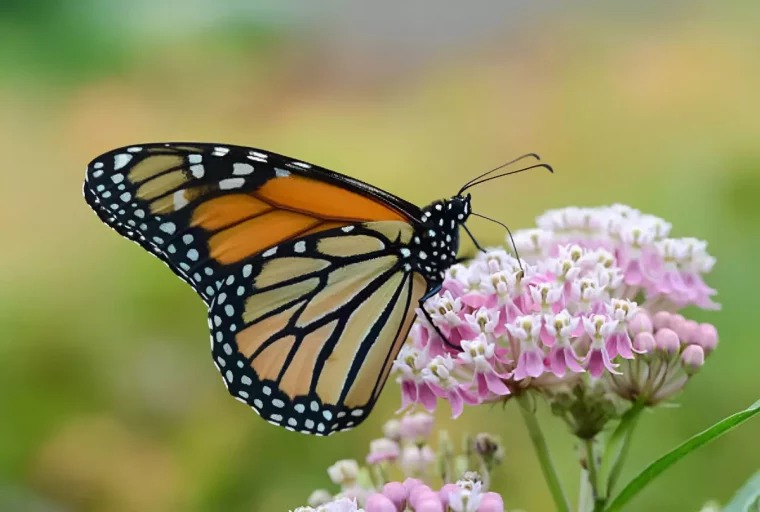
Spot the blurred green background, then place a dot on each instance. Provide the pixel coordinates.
(108, 398)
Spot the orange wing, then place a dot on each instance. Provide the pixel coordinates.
(202, 207)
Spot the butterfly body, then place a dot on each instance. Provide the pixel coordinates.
(311, 277)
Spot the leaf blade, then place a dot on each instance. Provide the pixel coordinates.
(697, 441)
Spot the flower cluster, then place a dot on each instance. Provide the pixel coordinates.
(405, 450)
(595, 291)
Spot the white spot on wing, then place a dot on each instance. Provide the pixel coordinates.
(231, 183)
(168, 227)
(197, 170)
(281, 173)
(121, 160)
(300, 246)
(194, 158)
(241, 169)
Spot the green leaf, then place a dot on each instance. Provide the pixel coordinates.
(745, 497)
(660, 465)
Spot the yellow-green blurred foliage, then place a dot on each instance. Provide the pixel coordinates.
(108, 398)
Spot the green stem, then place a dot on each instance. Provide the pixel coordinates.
(542, 452)
(584, 494)
(593, 475)
(591, 465)
(617, 449)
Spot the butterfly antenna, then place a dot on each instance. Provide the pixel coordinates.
(526, 155)
(473, 238)
(509, 232)
(537, 166)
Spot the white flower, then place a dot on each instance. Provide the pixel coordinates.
(467, 498)
(344, 472)
(478, 352)
(319, 497)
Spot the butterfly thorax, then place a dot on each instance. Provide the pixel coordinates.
(435, 243)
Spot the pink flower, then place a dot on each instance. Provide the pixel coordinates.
(382, 450)
(562, 355)
(480, 354)
(599, 328)
(417, 426)
(530, 362)
(567, 308)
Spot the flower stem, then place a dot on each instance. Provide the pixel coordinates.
(593, 475)
(542, 452)
(617, 449)
(584, 494)
(591, 464)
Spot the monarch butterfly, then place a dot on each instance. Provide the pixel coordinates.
(311, 277)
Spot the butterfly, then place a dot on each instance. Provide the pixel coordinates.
(311, 278)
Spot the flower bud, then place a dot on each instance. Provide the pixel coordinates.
(445, 491)
(641, 322)
(392, 430)
(491, 502)
(667, 341)
(415, 459)
(707, 337)
(415, 427)
(381, 450)
(319, 497)
(396, 492)
(644, 342)
(429, 504)
(378, 503)
(685, 329)
(661, 320)
(692, 358)
(489, 448)
(343, 472)
(421, 493)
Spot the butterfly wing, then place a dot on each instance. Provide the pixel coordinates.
(309, 301)
(307, 335)
(203, 207)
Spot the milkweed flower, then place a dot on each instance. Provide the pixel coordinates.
(370, 489)
(593, 302)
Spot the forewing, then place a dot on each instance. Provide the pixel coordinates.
(204, 209)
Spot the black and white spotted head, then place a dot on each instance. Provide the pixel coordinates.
(435, 244)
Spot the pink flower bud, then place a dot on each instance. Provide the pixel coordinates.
(411, 483)
(661, 320)
(667, 341)
(431, 504)
(381, 450)
(693, 357)
(416, 426)
(644, 342)
(422, 493)
(640, 323)
(491, 502)
(396, 492)
(684, 329)
(447, 489)
(379, 503)
(707, 337)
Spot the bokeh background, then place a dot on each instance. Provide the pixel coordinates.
(108, 398)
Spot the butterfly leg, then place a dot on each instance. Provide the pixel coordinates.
(429, 294)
